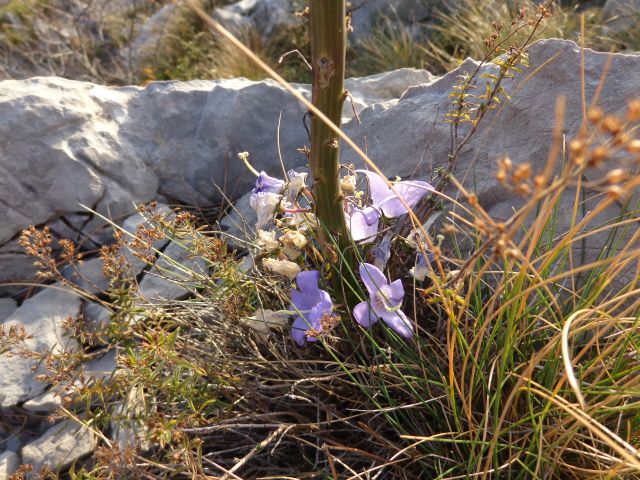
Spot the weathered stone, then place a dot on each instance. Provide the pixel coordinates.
(59, 447)
(149, 41)
(411, 138)
(88, 276)
(7, 307)
(266, 16)
(171, 278)
(42, 317)
(95, 370)
(96, 316)
(118, 146)
(622, 15)
(128, 428)
(9, 463)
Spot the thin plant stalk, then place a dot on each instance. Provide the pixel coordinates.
(328, 34)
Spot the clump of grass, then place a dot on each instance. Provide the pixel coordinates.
(390, 45)
(460, 32)
(193, 53)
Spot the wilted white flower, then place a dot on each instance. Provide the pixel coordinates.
(420, 270)
(294, 238)
(296, 184)
(267, 241)
(282, 267)
(301, 221)
(293, 241)
(265, 204)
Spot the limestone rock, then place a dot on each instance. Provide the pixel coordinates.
(9, 463)
(622, 15)
(42, 317)
(59, 447)
(96, 316)
(93, 371)
(411, 137)
(171, 278)
(127, 426)
(88, 276)
(155, 30)
(7, 307)
(266, 16)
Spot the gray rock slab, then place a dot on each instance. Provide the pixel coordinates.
(88, 276)
(411, 137)
(42, 317)
(95, 370)
(622, 15)
(7, 307)
(120, 145)
(9, 463)
(171, 278)
(59, 446)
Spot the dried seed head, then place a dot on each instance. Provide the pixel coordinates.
(598, 155)
(522, 173)
(595, 115)
(577, 146)
(614, 191)
(616, 176)
(612, 124)
(633, 146)
(633, 113)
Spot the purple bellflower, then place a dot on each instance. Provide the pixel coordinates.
(267, 184)
(358, 226)
(384, 302)
(385, 200)
(312, 306)
(265, 197)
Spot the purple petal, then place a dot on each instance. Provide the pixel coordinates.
(396, 292)
(411, 191)
(268, 184)
(372, 277)
(299, 331)
(371, 215)
(307, 281)
(382, 252)
(378, 188)
(359, 228)
(399, 322)
(364, 315)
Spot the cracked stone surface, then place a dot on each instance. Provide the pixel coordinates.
(41, 316)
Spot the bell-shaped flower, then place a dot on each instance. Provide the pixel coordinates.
(357, 223)
(312, 305)
(384, 302)
(386, 201)
(421, 269)
(267, 184)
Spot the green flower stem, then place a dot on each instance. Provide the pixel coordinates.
(328, 35)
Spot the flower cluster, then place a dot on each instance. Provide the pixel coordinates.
(285, 233)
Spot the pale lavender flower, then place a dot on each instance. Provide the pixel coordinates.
(312, 306)
(384, 302)
(358, 226)
(385, 201)
(267, 184)
(421, 269)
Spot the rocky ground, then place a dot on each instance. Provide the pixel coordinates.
(74, 152)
